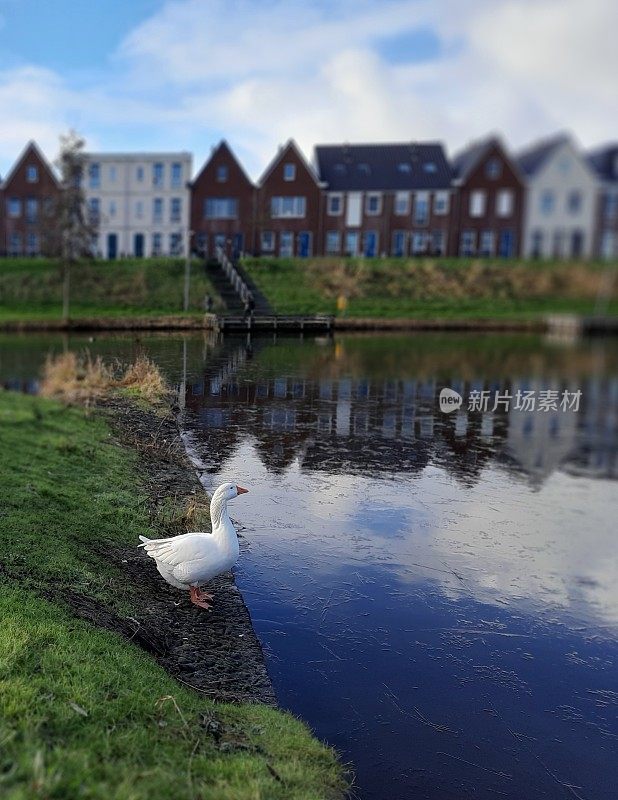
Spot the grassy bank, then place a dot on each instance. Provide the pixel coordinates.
(426, 288)
(32, 289)
(83, 711)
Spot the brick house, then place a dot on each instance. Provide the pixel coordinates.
(222, 205)
(604, 161)
(27, 188)
(288, 208)
(490, 202)
(392, 199)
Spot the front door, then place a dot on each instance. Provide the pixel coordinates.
(371, 244)
(138, 245)
(506, 244)
(304, 244)
(286, 244)
(112, 246)
(237, 245)
(577, 244)
(351, 243)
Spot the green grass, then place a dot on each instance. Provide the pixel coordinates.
(425, 289)
(32, 288)
(83, 713)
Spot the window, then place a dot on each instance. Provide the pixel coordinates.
(175, 209)
(201, 243)
(334, 205)
(32, 244)
(547, 202)
(467, 245)
(139, 174)
(220, 208)
(504, 203)
(419, 242)
(373, 204)
(493, 169)
(477, 203)
(399, 243)
(559, 241)
(289, 172)
(437, 243)
(176, 174)
(112, 174)
(222, 173)
(352, 241)
(13, 207)
(139, 209)
(333, 242)
(157, 209)
(94, 175)
(15, 244)
(32, 173)
(402, 203)
(486, 246)
(32, 209)
(574, 202)
(429, 167)
(537, 244)
(157, 174)
(610, 207)
(440, 203)
(286, 244)
(609, 245)
(421, 208)
(157, 240)
(112, 209)
(94, 209)
(175, 244)
(364, 168)
(268, 241)
(404, 167)
(287, 207)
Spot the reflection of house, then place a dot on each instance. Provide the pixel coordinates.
(222, 205)
(561, 197)
(489, 201)
(596, 454)
(605, 163)
(140, 202)
(25, 192)
(385, 198)
(289, 202)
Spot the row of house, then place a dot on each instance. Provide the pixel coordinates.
(402, 199)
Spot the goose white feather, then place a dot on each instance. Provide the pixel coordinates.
(191, 560)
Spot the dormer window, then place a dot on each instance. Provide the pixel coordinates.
(404, 167)
(493, 169)
(289, 172)
(364, 168)
(340, 169)
(429, 167)
(32, 173)
(222, 173)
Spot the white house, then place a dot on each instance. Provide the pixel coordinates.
(141, 202)
(561, 197)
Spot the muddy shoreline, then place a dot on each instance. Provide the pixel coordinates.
(217, 653)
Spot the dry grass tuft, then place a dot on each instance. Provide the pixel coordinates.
(77, 379)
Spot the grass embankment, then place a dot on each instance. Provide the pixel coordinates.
(427, 288)
(83, 712)
(31, 289)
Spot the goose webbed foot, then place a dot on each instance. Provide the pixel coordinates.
(200, 599)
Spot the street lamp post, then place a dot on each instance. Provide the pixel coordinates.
(187, 272)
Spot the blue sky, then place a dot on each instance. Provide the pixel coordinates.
(151, 74)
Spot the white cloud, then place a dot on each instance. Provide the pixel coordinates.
(259, 73)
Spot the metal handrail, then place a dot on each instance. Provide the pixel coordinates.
(232, 274)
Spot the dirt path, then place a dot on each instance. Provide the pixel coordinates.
(215, 652)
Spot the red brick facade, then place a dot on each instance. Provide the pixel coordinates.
(26, 190)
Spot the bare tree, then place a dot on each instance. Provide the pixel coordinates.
(69, 229)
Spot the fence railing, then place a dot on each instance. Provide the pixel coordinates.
(232, 274)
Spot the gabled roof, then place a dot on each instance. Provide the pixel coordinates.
(31, 147)
(532, 159)
(466, 160)
(289, 145)
(223, 145)
(406, 165)
(604, 161)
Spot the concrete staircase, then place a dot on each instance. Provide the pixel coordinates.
(230, 294)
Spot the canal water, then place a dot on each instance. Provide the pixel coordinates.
(436, 593)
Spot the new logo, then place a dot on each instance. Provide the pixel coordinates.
(450, 400)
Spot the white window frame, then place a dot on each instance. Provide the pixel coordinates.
(505, 203)
(404, 235)
(221, 208)
(287, 250)
(175, 209)
(373, 196)
(32, 173)
(419, 242)
(487, 236)
(477, 206)
(331, 251)
(157, 203)
(334, 196)
(401, 204)
(424, 198)
(297, 207)
(470, 236)
(267, 241)
(437, 198)
(289, 171)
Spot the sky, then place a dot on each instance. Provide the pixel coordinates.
(182, 74)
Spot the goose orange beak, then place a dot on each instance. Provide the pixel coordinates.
(240, 490)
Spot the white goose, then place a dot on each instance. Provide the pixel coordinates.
(192, 559)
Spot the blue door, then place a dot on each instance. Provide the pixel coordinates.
(138, 245)
(112, 245)
(371, 244)
(506, 247)
(399, 243)
(304, 244)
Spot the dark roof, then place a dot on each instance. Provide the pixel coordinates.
(465, 161)
(532, 159)
(383, 166)
(604, 161)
